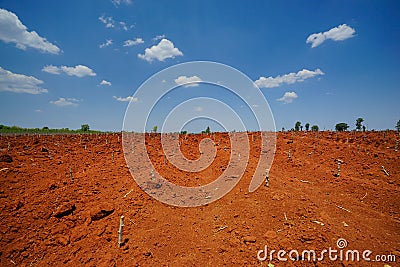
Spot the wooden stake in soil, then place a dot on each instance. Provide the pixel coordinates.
(396, 146)
(121, 225)
(288, 154)
(384, 170)
(338, 167)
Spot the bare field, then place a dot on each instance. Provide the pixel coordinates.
(50, 218)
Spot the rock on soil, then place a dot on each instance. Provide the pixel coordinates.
(6, 158)
(249, 239)
(101, 214)
(64, 210)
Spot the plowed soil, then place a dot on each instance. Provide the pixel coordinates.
(61, 198)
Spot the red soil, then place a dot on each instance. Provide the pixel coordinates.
(49, 218)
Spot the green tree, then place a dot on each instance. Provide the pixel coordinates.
(359, 122)
(297, 126)
(398, 126)
(341, 127)
(307, 126)
(314, 128)
(207, 131)
(155, 129)
(85, 127)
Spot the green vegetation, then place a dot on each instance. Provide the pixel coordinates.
(297, 126)
(341, 127)
(398, 126)
(314, 128)
(155, 129)
(207, 131)
(307, 126)
(183, 132)
(359, 122)
(85, 127)
(45, 130)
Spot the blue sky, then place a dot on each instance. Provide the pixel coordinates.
(66, 63)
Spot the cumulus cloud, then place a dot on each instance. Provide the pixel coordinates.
(64, 102)
(133, 42)
(339, 33)
(13, 31)
(192, 81)
(126, 99)
(51, 69)
(78, 71)
(290, 78)
(107, 43)
(165, 49)
(19, 83)
(288, 97)
(104, 82)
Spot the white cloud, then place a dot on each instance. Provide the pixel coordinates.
(288, 97)
(123, 25)
(38, 110)
(165, 49)
(290, 78)
(126, 99)
(119, 2)
(107, 21)
(13, 31)
(107, 43)
(188, 81)
(52, 69)
(198, 109)
(158, 37)
(339, 33)
(104, 82)
(19, 83)
(78, 71)
(133, 42)
(64, 102)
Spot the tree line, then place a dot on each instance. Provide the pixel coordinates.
(85, 128)
(340, 127)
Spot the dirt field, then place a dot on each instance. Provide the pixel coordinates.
(50, 218)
